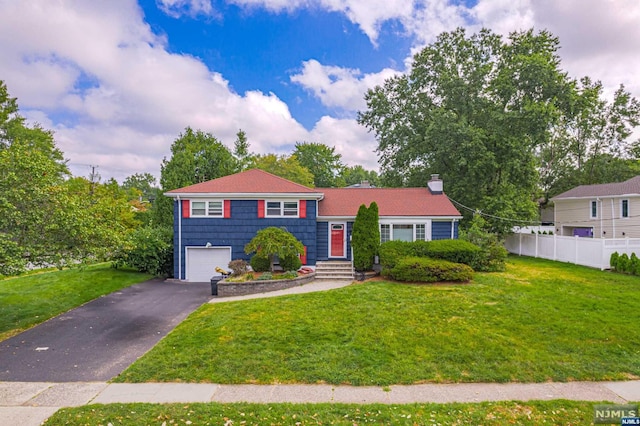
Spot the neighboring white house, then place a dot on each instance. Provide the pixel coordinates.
(610, 210)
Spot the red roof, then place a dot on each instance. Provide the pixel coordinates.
(345, 202)
(252, 181)
(340, 202)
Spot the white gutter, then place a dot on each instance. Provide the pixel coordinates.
(249, 195)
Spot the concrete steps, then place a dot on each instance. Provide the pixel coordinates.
(334, 270)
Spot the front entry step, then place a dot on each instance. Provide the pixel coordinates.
(334, 270)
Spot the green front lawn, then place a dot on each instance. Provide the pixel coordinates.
(31, 299)
(532, 413)
(537, 321)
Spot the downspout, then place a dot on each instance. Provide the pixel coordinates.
(613, 219)
(601, 211)
(601, 214)
(453, 228)
(179, 239)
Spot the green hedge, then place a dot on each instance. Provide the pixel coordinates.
(149, 250)
(625, 264)
(423, 269)
(457, 251)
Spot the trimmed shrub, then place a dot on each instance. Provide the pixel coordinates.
(260, 263)
(634, 264)
(613, 260)
(624, 265)
(421, 269)
(457, 251)
(365, 237)
(239, 266)
(290, 263)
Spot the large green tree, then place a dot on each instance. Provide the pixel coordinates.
(47, 217)
(196, 157)
(591, 143)
(474, 109)
(285, 166)
(323, 162)
(352, 175)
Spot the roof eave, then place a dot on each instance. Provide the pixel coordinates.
(248, 195)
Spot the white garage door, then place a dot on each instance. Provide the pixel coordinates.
(202, 262)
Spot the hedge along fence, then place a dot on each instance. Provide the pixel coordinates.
(458, 251)
(424, 269)
(625, 264)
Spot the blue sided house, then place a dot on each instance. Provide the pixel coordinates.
(214, 220)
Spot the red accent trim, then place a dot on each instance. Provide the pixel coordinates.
(186, 208)
(303, 208)
(260, 208)
(303, 256)
(227, 209)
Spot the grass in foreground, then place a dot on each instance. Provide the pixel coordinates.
(489, 413)
(31, 299)
(537, 321)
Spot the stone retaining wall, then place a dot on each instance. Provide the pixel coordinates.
(226, 289)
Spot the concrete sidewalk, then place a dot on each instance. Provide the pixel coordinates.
(30, 403)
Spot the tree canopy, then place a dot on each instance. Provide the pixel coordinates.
(483, 111)
(323, 163)
(196, 157)
(285, 166)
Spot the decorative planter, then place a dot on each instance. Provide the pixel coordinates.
(226, 288)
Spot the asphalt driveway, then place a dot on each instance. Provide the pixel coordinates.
(98, 340)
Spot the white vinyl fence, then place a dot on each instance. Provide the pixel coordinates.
(594, 252)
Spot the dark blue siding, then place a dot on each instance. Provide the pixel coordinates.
(322, 229)
(240, 228)
(442, 230)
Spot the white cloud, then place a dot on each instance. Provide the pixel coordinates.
(122, 97)
(193, 8)
(339, 87)
(350, 140)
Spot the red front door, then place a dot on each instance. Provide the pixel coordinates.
(337, 241)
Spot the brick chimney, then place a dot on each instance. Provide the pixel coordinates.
(435, 184)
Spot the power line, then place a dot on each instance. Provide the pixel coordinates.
(476, 211)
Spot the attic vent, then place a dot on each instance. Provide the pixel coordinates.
(435, 184)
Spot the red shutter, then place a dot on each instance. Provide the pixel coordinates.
(303, 256)
(260, 208)
(186, 208)
(302, 209)
(227, 209)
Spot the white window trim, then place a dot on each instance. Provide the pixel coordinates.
(281, 214)
(622, 209)
(206, 208)
(413, 222)
(591, 216)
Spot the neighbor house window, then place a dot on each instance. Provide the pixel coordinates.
(282, 208)
(420, 232)
(624, 210)
(594, 209)
(206, 208)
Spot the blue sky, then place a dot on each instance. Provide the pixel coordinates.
(119, 80)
